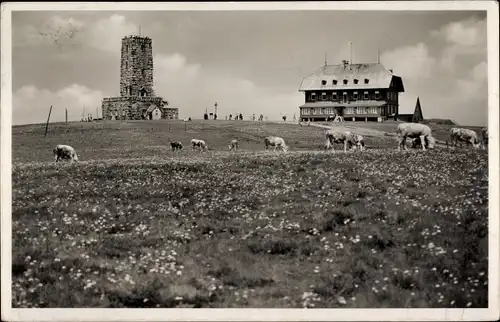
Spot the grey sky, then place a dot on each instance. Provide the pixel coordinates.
(249, 62)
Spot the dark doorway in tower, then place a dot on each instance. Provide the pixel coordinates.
(142, 92)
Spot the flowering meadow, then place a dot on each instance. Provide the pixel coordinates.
(134, 224)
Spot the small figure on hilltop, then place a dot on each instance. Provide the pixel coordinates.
(253, 117)
(241, 117)
(261, 117)
(215, 116)
(284, 118)
(205, 116)
(230, 117)
(294, 118)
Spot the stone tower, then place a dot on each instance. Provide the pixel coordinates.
(136, 70)
(137, 100)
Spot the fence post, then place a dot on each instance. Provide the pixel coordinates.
(48, 118)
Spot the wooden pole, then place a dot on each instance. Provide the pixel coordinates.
(48, 119)
(66, 114)
(185, 126)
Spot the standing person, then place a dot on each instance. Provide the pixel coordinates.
(241, 117)
(230, 116)
(294, 118)
(253, 117)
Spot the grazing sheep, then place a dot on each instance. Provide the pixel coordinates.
(275, 141)
(176, 145)
(233, 145)
(464, 135)
(413, 131)
(64, 152)
(345, 137)
(200, 144)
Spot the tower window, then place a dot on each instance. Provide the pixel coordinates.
(345, 81)
(323, 82)
(355, 81)
(334, 82)
(366, 80)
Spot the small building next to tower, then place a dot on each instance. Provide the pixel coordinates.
(137, 100)
(357, 92)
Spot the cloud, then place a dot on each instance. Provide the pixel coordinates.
(56, 31)
(193, 89)
(451, 81)
(411, 62)
(104, 34)
(189, 87)
(31, 105)
(466, 33)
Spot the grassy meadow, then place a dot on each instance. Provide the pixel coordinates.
(134, 224)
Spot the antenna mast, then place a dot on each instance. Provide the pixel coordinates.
(326, 63)
(378, 55)
(139, 30)
(350, 53)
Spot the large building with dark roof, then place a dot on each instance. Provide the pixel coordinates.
(357, 92)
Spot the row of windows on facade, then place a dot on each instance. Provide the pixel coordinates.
(347, 110)
(391, 109)
(324, 96)
(345, 81)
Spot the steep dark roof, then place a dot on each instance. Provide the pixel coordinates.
(378, 77)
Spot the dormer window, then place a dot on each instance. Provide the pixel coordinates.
(334, 82)
(323, 82)
(313, 96)
(355, 81)
(366, 80)
(345, 81)
(323, 96)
